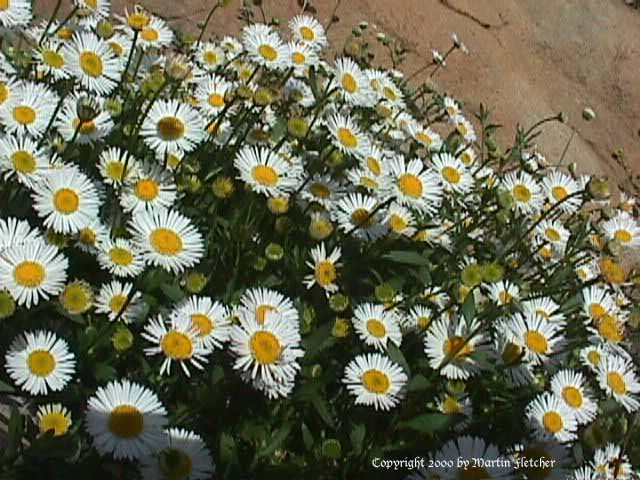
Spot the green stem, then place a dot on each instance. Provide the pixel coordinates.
(53, 16)
(66, 19)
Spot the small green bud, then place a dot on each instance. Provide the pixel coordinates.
(105, 29)
(122, 339)
(336, 159)
(384, 292)
(341, 328)
(598, 188)
(195, 282)
(222, 187)
(283, 225)
(316, 371)
(505, 200)
(263, 97)
(492, 272)
(7, 305)
(332, 449)
(274, 252)
(338, 302)
(260, 264)
(472, 275)
(297, 127)
(588, 114)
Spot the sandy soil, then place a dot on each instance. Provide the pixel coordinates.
(529, 59)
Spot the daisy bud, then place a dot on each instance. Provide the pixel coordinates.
(316, 371)
(139, 19)
(244, 92)
(356, 32)
(283, 225)
(562, 117)
(598, 188)
(260, 264)
(320, 227)
(194, 282)
(122, 339)
(77, 297)
(297, 127)
(381, 37)
(341, 328)
(384, 292)
(332, 449)
(274, 252)
(383, 111)
(177, 67)
(363, 25)
(335, 159)
(263, 97)
(612, 271)
(338, 302)
(173, 463)
(472, 275)
(222, 187)
(588, 114)
(456, 387)
(573, 169)
(492, 272)
(278, 205)
(87, 108)
(352, 48)
(633, 321)
(105, 29)
(7, 305)
(113, 107)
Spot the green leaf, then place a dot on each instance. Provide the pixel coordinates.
(14, 432)
(418, 383)
(319, 340)
(357, 437)
(104, 373)
(217, 374)
(228, 453)
(174, 292)
(396, 355)
(6, 388)
(469, 307)
(428, 423)
(276, 440)
(307, 437)
(322, 407)
(407, 257)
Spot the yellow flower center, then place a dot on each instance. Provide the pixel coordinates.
(462, 129)
(390, 94)
(376, 381)
(320, 190)
(177, 345)
(66, 201)
(178, 465)
(138, 21)
(126, 421)
(55, 421)
(397, 223)
(4, 92)
(265, 347)
(623, 236)
(4, 5)
(511, 354)
(451, 175)
(262, 311)
(216, 100)
(505, 297)
(349, 83)
(596, 311)
(65, 33)
(91, 64)
(616, 383)
(87, 237)
(86, 127)
(451, 406)
(467, 158)
(117, 302)
(361, 218)
(23, 162)
(543, 314)
(203, 324)
(210, 57)
(265, 175)
(536, 342)
(325, 273)
(121, 256)
(29, 274)
(369, 182)
(594, 358)
(410, 185)
(268, 52)
(376, 328)
(559, 193)
(374, 165)
(347, 138)
(53, 59)
(521, 193)
(457, 347)
(166, 242)
(610, 328)
(147, 189)
(612, 271)
(572, 397)
(552, 234)
(170, 128)
(425, 138)
(150, 34)
(307, 34)
(93, 4)
(24, 115)
(552, 422)
(114, 171)
(298, 58)
(76, 298)
(423, 322)
(116, 48)
(41, 363)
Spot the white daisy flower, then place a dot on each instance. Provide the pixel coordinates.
(425, 136)
(376, 326)
(177, 340)
(324, 269)
(352, 83)
(503, 292)
(356, 214)
(557, 187)
(120, 257)
(266, 172)
(551, 419)
(28, 110)
(23, 158)
(597, 303)
(50, 60)
(618, 379)
(526, 193)
(265, 47)
(85, 132)
(111, 166)
(261, 304)
(112, 298)
(40, 362)
(184, 455)
(53, 417)
(209, 318)
(400, 220)
(209, 56)
(126, 420)
(32, 271)
(593, 356)
(323, 190)
(301, 56)
(450, 348)
(465, 129)
(610, 463)
(545, 307)
(92, 61)
(211, 93)
(360, 177)
(67, 200)
(452, 173)
(307, 29)
(571, 387)
(375, 380)
(451, 108)
(156, 34)
(418, 318)
(15, 232)
(412, 185)
(151, 188)
(624, 229)
(172, 126)
(467, 155)
(554, 233)
(167, 239)
(511, 360)
(15, 13)
(346, 135)
(539, 337)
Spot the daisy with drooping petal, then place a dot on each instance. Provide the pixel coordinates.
(40, 362)
(307, 29)
(111, 167)
(167, 239)
(126, 420)
(376, 326)
(551, 419)
(356, 214)
(536, 335)
(266, 172)
(209, 318)
(324, 269)
(23, 158)
(425, 136)
(155, 34)
(172, 126)
(177, 340)
(28, 110)
(545, 307)
(511, 360)
(375, 380)
(611, 463)
(67, 200)
(82, 132)
(503, 292)
(184, 456)
(150, 188)
(15, 13)
(262, 304)
(526, 193)
(558, 186)
(14, 232)
(617, 378)
(571, 387)
(265, 47)
(623, 228)
(451, 349)
(352, 83)
(112, 298)
(31, 271)
(452, 173)
(92, 61)
(418, 318)
(346, 135)
(400, 220)
(412, 185)
(495, 465)
(53, 417)
(120, 257)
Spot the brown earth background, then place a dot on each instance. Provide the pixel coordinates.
(529, 59)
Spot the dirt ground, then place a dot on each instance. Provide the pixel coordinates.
(529, 59)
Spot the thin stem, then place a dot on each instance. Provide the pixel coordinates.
(333, 16)
(206, 22)
(131, 51)
(566, 148)
(53, 16)
(66, 19)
